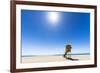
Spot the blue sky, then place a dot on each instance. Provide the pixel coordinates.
(47, 32)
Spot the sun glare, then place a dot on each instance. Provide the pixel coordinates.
(53, 18)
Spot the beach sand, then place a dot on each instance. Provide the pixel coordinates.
(46, 58)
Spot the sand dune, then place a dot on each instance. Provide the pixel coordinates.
(38, 59)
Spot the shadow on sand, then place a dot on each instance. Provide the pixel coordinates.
(71, 59)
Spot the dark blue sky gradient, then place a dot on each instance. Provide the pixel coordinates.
(40, 38)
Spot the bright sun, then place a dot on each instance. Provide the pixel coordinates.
(53, 18)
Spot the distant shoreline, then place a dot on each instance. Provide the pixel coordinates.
(56, 54)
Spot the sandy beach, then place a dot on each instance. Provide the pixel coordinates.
(48, 58)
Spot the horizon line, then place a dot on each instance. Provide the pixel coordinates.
(57, 54)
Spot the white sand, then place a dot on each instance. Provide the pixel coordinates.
(37, 59)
